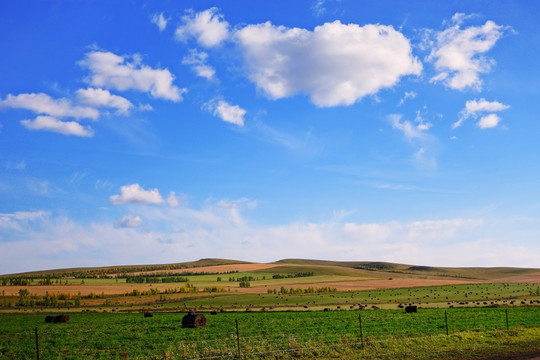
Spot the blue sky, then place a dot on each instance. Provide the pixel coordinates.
(156, 132)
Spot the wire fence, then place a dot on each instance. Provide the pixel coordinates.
(243, 335)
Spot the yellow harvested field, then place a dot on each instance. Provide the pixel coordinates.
(215, 269)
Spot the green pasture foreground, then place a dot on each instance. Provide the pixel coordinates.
(331, 334)
(501, 292)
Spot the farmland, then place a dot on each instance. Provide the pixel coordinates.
(284, 285)
(294, 308)
(270, 334)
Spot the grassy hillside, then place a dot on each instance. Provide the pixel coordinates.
(480, 273)
(354, 269)
(132, 268)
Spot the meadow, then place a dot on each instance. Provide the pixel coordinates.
(263, 334)
(288, 309)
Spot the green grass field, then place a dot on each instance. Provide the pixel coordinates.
(295, 334)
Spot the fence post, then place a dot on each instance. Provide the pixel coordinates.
(37, 344)
(506, 312)
(238, 340)
(446, 322)
(361, 332)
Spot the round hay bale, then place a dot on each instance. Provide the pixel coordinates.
(49, 319)
(192, 320)
(213, 312)
(61, 319)
(148, 314)
(411, 309)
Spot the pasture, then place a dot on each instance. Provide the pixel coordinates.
(271, 335)
(287, 309)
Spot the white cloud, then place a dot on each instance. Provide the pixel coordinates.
(489, 121)
(135, 194)
(336, 64)
(129, 221)
(233, 114)
(457, 53)
(43, 104)
(474, 107)
(208, 27)
(197, 60)
(113, 71)
(100, 97)
(159, 20)
(49, 123)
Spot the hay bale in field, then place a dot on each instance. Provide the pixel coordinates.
(411, 309)
(49, 319)
(192, 320)
(213, 312)
(61, 319)
(148, 314)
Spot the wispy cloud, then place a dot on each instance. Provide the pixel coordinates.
(43, 104)
(416, 134)
(129, 221)
(221, 229)
(407, 95)
(11, 165)
(197, 60)
(18, 220)
(317, 8)
(49, 123)
(160, 21)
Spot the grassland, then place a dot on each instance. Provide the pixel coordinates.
(268, 335)
(285, 285)
(279, 307)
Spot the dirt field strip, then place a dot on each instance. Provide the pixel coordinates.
(533, 278)
(367, 284)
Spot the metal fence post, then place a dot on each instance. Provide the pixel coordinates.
(238, 340)
(37, 344)
(361, 332)
(446, 322)
(506, 312)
